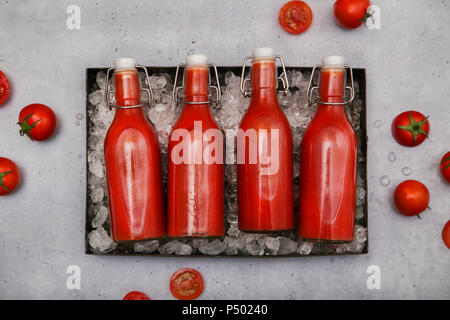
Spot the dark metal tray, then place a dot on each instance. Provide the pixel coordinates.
(253, 245)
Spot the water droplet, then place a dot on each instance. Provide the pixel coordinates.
(77, 123)
(371, 194)
(80, 156)
(385, 181)
(392, 157)
(377, 124)
(79, 116)
(407, 171)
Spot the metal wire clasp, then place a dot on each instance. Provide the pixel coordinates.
(178, 98)
(283, 77)
(311, 88)
(109, 91)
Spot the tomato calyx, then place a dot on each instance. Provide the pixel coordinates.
(25, 128)
(415, 127)
(366, 16)
(2, 176)
(448, 164)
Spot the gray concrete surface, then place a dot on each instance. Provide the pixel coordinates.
(42, 224)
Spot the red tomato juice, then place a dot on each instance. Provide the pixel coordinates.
(133, 167)
(328, 167)
(195, 187)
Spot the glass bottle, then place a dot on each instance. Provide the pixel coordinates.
(264, 151)
(132, 158)
(195, 204)
(328, 161)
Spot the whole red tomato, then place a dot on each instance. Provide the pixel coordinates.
(37, 121)
(351, 14)
(186, 284)
(410, 128)
(446, 234)
(295, 16)
(411, 197)
(4, 88)
(136, 295)
(445, 167)
(9, 176)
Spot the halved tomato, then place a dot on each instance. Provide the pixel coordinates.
(186, 284)
(136, 295)
(295, 16)
(4, 88)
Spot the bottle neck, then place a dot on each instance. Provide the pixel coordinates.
(127, 92)
(127, 87)
(196, 85)
(332, 85)
(332, 90)
(264, 82)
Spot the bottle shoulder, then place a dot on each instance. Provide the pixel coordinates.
(263, 117)
(130, 128)
(328, 129)
(188, 119)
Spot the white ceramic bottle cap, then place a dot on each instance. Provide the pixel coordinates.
(263, 53)
(124, 63)
(333, 61)
(196, 60)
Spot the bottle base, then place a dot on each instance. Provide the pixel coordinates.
(265, 230)
(326, 241)
(159, 237)
(196, 235)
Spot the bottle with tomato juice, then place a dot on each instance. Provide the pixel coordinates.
(264, 151)
(195, 200)
(132, 158)
(328, 160)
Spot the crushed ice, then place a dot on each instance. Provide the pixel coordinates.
(228, 113)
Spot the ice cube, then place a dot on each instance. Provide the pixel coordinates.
(287, 246)
(296, 79)
(100, 241)
(254, 249)
(213, 248)
(96, 97)
(273, 244)
(97, 195)
(360, 196)
(146, 246)
(197, 243)
(158, 81)
(183, 250)
(233, 230)
(170, 247)
(305, 248)
(234, 243)
(95, 166)
(101, 80)
(100, 217)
